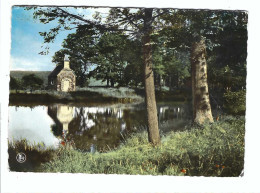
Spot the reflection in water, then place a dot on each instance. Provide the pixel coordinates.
(168, 112)
(97, 128)
(32, 124)
(94, 128)
(101, 128)
(89, 128)
(62, 115)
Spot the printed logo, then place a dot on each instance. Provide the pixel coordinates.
(21, 157)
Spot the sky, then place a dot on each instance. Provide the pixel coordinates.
(27, 42)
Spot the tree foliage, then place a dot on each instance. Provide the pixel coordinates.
(15, 83)
(111, 58)
(32, 82)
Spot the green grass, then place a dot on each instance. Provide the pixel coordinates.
(210, 150)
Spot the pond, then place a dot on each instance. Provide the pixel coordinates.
(89, 128)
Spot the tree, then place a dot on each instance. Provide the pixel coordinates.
(171, 65)
(32, 82)
(199, 24)
(151, 108)
(15, 83)
(133, 72)
(223, 34)
(228, 58)
(110, 59)
(195, 28)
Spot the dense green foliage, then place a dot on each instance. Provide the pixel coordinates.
(235, 102)
(32, 82)
(212, 150)
(227, 60)
(15, 84)
(112, 58)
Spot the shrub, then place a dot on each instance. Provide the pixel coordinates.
(32, 82)
(235, 102)
(15, 83)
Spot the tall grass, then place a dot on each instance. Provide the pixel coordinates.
(210, 150)
(35, 155)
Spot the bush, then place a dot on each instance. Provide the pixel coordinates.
(15, 83)
(32, 82)
(235, 102)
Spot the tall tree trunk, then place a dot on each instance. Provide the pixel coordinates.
(152, 119)
(200, 93)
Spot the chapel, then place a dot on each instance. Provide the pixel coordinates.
(62, 78)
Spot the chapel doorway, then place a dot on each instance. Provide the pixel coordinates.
(65, 85)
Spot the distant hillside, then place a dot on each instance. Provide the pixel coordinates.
(41, 74)
(44, 75)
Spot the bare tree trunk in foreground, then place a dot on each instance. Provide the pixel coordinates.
(200, 94)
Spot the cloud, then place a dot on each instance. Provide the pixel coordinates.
(32, 64)
(25, 53)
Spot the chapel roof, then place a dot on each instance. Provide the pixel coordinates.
(56, 71)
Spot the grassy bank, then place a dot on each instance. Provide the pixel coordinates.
(210, 150)
(91, 95)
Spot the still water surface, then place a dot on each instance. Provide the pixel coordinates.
(88, 128)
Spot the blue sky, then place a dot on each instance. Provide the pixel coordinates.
(27, 42)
